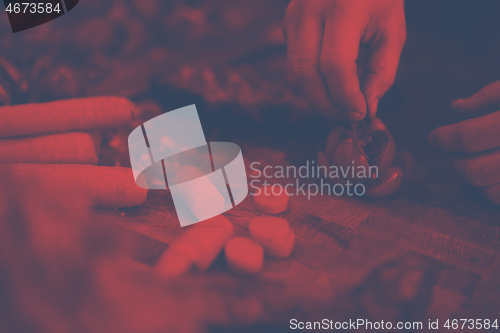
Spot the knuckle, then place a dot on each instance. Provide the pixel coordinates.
(474, 173)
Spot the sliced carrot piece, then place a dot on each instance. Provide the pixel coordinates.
(274, 234)
(243, 255)
(270, 203)
(197, 247)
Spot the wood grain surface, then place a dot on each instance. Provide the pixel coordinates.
(395, 251)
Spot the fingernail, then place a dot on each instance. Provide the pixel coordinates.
(354, 115)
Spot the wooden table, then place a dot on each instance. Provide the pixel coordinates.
(428, 252)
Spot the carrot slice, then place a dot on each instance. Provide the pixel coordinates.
(270, 202)
(274, 234)
(243, 255)
(197, 247)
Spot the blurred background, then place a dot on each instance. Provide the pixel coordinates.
(228, 57)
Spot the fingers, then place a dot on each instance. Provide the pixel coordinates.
(337, 64)
(475, 135)
(480, 169)
(381, 66)
(481, 134)
(469, 136)
(304, 71)
(486, 99)
(493, 193)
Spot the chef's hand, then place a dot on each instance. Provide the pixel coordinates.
(323, 41)
(478, 137)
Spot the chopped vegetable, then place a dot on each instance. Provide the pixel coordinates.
(270, 202)
(243, 255)
(274, 234)
(196, 248)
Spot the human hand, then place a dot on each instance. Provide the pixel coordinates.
(62, 132)
(323, 42)
(479, 138)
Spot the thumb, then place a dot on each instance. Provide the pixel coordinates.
(380, 71)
